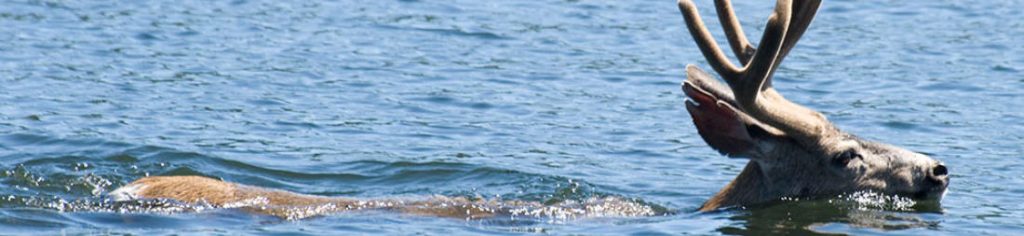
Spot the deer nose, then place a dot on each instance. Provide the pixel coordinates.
(939, 176)
(940, 170)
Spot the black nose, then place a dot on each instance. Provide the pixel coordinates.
(940, 170)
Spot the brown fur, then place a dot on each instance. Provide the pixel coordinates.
(196, 189)
(738, 191)
(289, 205)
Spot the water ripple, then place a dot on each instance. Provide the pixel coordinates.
(544, 101)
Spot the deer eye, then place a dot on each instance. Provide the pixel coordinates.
(844, 158)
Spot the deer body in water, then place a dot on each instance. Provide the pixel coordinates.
(793, 150)
(197, 190)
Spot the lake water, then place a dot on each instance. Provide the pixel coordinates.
(547, 101)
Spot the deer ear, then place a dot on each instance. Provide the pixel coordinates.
(719, 124)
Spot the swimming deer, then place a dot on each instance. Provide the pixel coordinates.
(793, 151)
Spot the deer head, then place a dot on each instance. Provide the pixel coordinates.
(794, 151)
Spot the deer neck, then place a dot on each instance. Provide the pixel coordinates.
(749, 187)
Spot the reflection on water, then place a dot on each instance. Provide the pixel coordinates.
(861, 211)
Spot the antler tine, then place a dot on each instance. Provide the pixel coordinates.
(803, 14)
(707, 43)
(804, 11)
(771, 40)
(757, 71)
(734, 31)
(755, 94)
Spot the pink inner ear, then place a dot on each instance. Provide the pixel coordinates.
(717, 122)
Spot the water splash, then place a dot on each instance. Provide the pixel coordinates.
(866, 200)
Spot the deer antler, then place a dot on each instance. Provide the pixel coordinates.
(751, 84)
(733, 31)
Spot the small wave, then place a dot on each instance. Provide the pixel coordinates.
(80, 183)
(494, 211)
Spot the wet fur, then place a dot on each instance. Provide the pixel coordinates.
(199, 190)
(216, 193)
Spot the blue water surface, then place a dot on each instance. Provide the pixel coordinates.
(546, 101)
